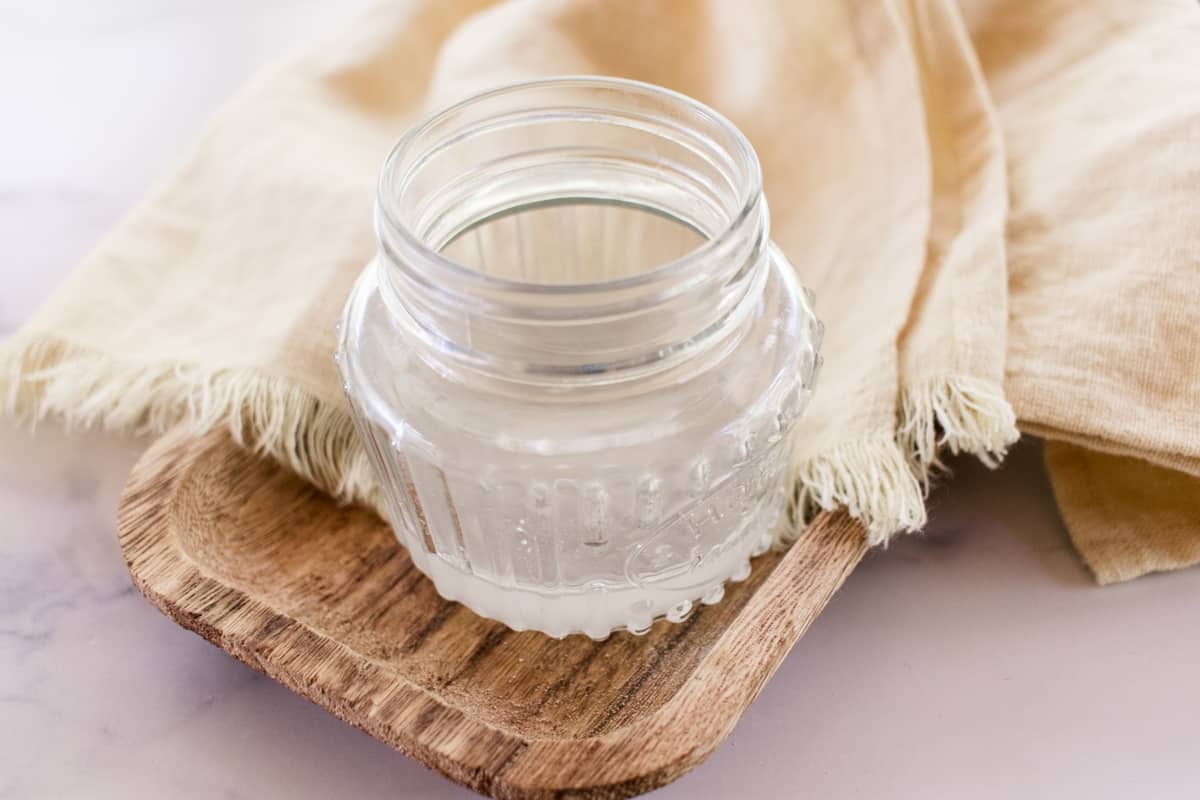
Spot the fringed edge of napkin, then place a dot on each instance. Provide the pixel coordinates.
(958, 413)
(42, 376)
(870, 478)
(883, 480)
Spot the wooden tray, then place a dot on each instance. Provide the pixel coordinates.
(322, 598)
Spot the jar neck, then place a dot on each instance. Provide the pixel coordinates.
(557, 311)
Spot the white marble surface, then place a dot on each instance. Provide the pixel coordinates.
(975, 661)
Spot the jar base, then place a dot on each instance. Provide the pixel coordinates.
(595, 613)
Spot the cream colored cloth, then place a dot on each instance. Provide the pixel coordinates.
(1100, 109)
(986, 199)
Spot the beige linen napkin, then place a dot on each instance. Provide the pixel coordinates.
(1099, 103)
(894, 136)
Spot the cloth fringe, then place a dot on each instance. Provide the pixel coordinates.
(871, 478)
(881, 480)
(42, 377)
(955, 413)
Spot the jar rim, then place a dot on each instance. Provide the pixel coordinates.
(749, 191)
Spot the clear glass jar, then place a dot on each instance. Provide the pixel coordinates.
(577, 359)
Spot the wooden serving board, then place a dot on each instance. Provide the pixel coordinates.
(323, 599)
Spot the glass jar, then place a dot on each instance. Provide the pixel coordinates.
(576, 359)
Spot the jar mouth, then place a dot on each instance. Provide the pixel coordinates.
(399, 163)
(545, 147)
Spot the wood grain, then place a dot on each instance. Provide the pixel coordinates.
(323, 599)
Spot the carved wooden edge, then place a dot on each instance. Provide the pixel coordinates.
(638, 757)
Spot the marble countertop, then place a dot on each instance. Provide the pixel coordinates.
(977, 660)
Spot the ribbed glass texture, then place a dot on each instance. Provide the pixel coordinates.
(577, 359)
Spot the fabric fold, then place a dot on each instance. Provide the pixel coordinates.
(1126, 516)
(1099, 105)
